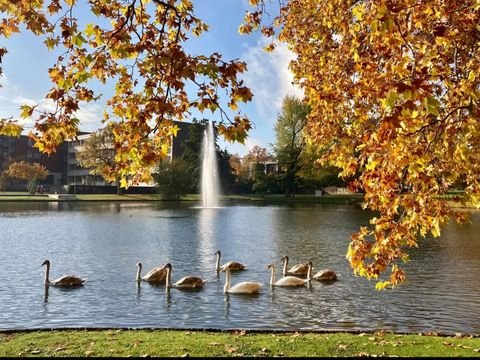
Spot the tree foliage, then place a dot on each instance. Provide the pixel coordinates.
(98, 154)
(289, 140)
(394, 88)
(174, 178)
(257, 154)
(30, 172)
(138, 45)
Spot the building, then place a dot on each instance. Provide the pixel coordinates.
(15, 149)
(65, 172)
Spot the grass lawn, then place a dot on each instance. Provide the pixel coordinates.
(277, 198)
(176, 343)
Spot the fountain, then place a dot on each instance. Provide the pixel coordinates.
(210, 185)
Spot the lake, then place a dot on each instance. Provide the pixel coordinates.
(103, 242)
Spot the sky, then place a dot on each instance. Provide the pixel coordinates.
(25, 79)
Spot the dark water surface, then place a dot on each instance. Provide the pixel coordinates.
(103, 241)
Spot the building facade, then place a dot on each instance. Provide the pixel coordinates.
(65, 171)
(16, 149)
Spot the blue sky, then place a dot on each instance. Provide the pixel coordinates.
(26, 79)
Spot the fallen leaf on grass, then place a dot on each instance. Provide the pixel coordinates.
(185, 355)
(230, 349)
(214, 344)
(341, 347)
(35, 351)
(60, 348)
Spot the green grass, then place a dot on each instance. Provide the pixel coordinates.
(168, 343)
(277, 198)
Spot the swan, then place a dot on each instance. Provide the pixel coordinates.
(290, 280)
(296, 270)
(65, 280)
(157, 275)
(325, 275)
(187, 282)
(245, 287)
(232, 265)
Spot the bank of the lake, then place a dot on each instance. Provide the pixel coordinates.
(177, 343)
(276, 198)
(266, 199)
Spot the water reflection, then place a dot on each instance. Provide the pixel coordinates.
(103, 242)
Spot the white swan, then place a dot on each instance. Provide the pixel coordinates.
(325, 275)
(157, 275)
(296, 270)
(232, 265)
(187, 282)
(290, 280)
(245, 287)
(65, 280)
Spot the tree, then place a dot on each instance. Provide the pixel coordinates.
(260, 184)
(257, 154)
(173, 178)
(98, 154)
(139, 47)
(290, 141)
(316, 176)
(227, 178)
(394, 89)
(31, 172)
(3, 180)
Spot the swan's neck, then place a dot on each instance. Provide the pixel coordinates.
(167, 281)
(272, 276)
(309, 272)
(139, 270)
(47, 274)
(217, 267)
(227, 281)
(285, 265)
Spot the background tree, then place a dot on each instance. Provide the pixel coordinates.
(3, 180)
(137, 46)
(30, 172)
(227, 178)
(257, 154)
(173, 178)
(289, 140)
(260, 184)
(98, 154)
(192, 152)
(394, 88)
(315, 175)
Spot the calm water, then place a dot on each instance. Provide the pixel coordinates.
(103, 241)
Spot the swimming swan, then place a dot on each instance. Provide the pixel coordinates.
(157, 275)
(232, 265)
(65, 280)
(290, 280)
(325, 275)
(245, 287)
(187, 282)
(296, 270)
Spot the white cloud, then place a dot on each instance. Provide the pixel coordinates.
(11, 98)
(270, 79)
